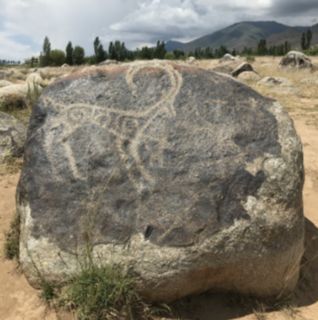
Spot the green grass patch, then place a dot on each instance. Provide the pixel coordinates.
(11, 246)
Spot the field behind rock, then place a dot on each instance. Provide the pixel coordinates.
(299, 96)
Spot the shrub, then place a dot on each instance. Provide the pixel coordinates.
(57, 57)
(103, 292)
(11, 247)
(12, 102)
(250, 58)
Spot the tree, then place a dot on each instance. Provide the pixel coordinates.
(57, 57)
(303, 41)
(45, 54)
(69, 53)
(78, 55)
(308, 38)
(160, 50)
(262, 47)
(100, 53)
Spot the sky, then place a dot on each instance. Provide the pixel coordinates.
(25, 23)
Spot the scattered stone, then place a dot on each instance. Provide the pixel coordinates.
(233, 68)
(310, 81)
(296, 59)
(227, 57)
(35, 79)
(12, 137)
(243, 67)
(188, 178)
(191, 60)
(15, 96)
(275, 81)
(249, 76)
(108, 62)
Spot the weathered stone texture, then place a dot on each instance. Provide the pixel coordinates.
(186, 176)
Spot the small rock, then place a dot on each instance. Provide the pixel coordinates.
(12, 137)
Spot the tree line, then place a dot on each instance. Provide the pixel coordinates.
(75, 55)
(8, 62)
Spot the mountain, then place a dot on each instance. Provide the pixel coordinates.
(247, 34)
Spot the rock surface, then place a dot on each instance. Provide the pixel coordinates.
(227, 57)
(187, 177)
(296, 59)
(5, 83)
(233, 68)
(249, 76)
(12, 137)
(275, 82)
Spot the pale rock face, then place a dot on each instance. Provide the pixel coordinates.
(249, 76)
(185, 176)
(227, 57)
(35, 79)
(296, 59)
(12, 137)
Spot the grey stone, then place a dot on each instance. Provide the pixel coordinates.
(249, 76)
(188, 178)
(12, 137)
(227, 57)
(233, 68)
(296, 59)
(108, 62)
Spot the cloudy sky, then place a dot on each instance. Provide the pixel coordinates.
(24, 23)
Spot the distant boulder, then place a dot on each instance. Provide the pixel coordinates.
(35, 78)
(296, 59)
(243, 67)
(233, 68)
(65, 65)
(191, 60)
(275, 81)
(108, 62)
(228, 57)
(12, 137)
(15, 96)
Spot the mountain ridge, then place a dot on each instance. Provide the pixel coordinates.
(247, 34)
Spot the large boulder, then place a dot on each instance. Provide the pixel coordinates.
(186, 177)
(296, 59)
(12, 137)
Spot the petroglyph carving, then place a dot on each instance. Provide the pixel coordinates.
(132, 129)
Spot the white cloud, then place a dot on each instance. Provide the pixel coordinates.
(25, 23)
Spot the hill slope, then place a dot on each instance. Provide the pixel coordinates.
(247, 34)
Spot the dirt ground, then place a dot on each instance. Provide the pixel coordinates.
(19, 301)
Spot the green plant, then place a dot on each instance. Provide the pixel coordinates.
(250, 58)
(11, 247)
(100, 292)
(48, 291)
